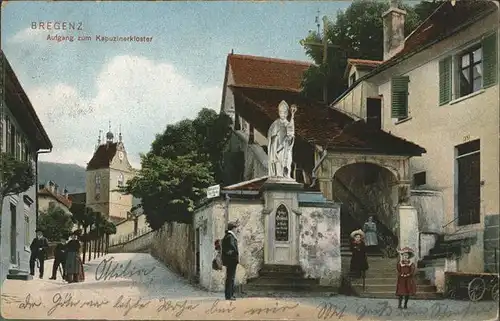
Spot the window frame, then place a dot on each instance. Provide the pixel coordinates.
(469, 51)
(475, 151)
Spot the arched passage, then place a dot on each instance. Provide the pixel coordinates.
(367, 189)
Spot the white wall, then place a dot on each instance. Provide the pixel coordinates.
(440, 128)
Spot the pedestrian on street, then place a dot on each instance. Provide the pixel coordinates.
(38, 249)
(73, 258)
(371, 239)
(230, 259)
(406, 285)
(359, 261)
(59, 259)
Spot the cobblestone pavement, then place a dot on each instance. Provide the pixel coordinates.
(150, 291)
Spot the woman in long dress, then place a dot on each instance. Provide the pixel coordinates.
(359, 261)
(406, 285)
(73, 263)
(371, 240)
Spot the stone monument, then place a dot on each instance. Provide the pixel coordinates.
(281, 191)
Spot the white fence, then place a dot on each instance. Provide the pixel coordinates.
(121, 239)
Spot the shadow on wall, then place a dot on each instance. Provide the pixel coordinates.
(173, 245)
(364, 189)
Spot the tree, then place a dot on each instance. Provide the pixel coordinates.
(84, 217)
(356, 33)
(170, 188)
(183, 161)
(15, 176)
(55, 223)
(108, 229)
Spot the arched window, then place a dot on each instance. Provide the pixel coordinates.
(97, 186)
(120, 179)
(281, 226)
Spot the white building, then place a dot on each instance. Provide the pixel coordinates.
(22, 134)
(439, 89)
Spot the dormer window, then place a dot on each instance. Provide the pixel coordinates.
(352, 79)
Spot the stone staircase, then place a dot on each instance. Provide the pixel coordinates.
(285, 280)
(381, 279)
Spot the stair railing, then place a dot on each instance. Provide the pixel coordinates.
(384, 235)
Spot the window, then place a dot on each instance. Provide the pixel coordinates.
(469, 183)
(26, 229)
(8, 137)
(23, 150)
(419, 179)
(1, 134)
(120, 179)
(399, 97)
(470, 73)
(475, 68)
(352, 79)
(97, 186)
(18, 145)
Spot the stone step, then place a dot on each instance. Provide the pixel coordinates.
(281, 268)
(385, 281)
(391, 288)
(20, 276)
(319, 293)
(281, 280)
(392, 295)
(280, 275)
(269, 287)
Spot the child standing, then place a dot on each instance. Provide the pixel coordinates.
(406, 285)
(359, 261)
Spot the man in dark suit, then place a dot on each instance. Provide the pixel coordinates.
(59, 259)
(38, 249)
(230, 259)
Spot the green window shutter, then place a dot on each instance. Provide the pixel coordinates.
(490, 61)
(399, 97)
(445, 81)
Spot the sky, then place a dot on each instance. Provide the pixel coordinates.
(78, 87)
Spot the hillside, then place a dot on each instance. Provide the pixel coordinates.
(70, 176)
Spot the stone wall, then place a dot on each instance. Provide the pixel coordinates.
(173, 245)
(430, 208)
(319, 251)
(491, 244)
(139, 244)
(248, 214)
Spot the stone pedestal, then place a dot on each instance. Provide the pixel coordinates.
(281, 221)
(408, 228)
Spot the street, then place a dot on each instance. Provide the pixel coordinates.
(136, 286)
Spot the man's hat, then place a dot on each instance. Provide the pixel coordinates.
(231, 225)
(38, 230)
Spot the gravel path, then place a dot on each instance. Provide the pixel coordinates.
(151, 291)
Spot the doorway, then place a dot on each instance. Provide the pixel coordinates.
(374, 112)
(13, 234)
(197, 251)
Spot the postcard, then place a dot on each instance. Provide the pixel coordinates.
(249, 160)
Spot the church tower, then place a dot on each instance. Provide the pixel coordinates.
(109, 169)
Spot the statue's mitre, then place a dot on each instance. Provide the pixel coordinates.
(283, 106)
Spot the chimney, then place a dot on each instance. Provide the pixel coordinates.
(56, 188)
(394, 30)
(65, 193)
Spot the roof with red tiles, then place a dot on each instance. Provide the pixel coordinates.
(268, 73)
(319, 125)
(443, 23)
(363, 64)
(58, 197)
(250, 185)
(102, 156)
(446, 21)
